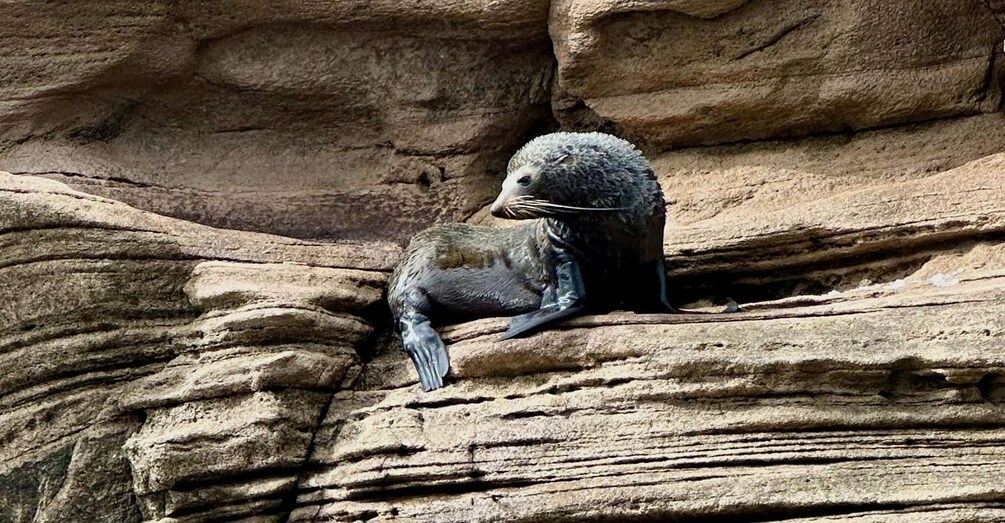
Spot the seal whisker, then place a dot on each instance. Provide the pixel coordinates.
(531, 209)
(575, 208)
(552, 209)
(524, 211)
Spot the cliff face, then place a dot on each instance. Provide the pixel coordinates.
(182, 341)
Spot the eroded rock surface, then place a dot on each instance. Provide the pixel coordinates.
(889, 398)
(680, 73)
(348, 120)
(153, 367)
(201, 375)
(373, 120)
(156, 369)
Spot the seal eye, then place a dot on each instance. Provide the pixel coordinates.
(524, 181)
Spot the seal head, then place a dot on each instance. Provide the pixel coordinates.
(569, 175)
(601, 205)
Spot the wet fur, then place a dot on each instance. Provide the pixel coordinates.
(599, 203)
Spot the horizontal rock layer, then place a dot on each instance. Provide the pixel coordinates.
(887, 398)
(141, 356)
(201, 374)
(677, 73)
(348, 120)
(370, 120)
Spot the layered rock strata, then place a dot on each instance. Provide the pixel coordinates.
(882, 404)
(372, 120)
(153, 367)
(847, 190)
(347, 120)
(174, 372)
(676, 72)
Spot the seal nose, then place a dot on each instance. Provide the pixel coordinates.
(497, 206)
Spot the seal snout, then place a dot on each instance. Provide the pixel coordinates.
(498, 208)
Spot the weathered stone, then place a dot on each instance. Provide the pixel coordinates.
(352, 120)
(136, 366)
(672, 73)
(887, 397)
(84, 481)
(228, 376)
(879, 231)
(153, 369)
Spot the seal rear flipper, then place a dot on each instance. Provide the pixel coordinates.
(648, 290)
(661, 278)
(427, 352)
(532, 321)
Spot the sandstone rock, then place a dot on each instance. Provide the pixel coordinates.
(676, 73)
(829, 407)
(198, 374)
(155, 369)
(795, 232)
(151, 367)
(352, 120)
(883, 403)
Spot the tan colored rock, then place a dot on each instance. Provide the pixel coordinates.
(207, 374)
(675, 73)
(153, 369)
(756, 235)
(750, 179)
(140, 356)
(878, 231)
(878, 402)
(848, 408)
(352, 120)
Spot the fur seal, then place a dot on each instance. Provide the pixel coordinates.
(593, 242)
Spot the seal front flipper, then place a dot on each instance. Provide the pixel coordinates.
(421, 342)
(527, 323)
(426, 350)
(564, 300)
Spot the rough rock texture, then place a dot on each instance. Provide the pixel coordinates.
(794, 224)
(370, 120)
(345, 119)
(197, 379)
(156, 369)
(884, 399)
(141, 356)
(679, 72)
